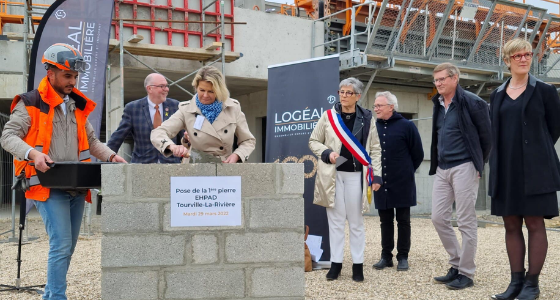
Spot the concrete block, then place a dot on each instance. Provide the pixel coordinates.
(225, 284)
(277, 282)
(256, 179)
(276, 213)
(113, 179)
(291, 178)
(129, 285)
(130, 217)
(205, 249)
(153, 180)
(10, 85)
(264, 247)
(142, 251)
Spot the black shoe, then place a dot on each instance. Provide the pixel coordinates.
(461, 282)
(514, 288)
(383, 263)
(530, 289)
(451, 275)
(358, 272)
(402, 264)
(334, 271)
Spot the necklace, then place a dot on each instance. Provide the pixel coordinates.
(517, 87)
(348, 116)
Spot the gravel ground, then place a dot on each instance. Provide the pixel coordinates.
(427, 259)
(84, 277)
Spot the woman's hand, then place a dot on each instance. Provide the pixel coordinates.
(179, 150)
(233, 158)
(375, 186)
(333, 156)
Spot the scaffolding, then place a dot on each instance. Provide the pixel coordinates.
(401, 41)
(208, 55)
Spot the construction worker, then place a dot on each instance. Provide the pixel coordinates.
(50, 124)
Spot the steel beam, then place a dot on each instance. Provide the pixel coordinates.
(364, 93)
(402, 26)
(439, 30)
(376, 25)
(553, 65)
(156, 71)
(480, 88)
(536, 29)
(395, 26)
(541, 39)
(482, 30)
(191, 73)
(518, 31)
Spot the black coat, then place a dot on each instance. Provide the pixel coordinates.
(541, 130)
(401, 155)
(474, 123)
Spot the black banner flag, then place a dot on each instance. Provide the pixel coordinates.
(86, 25)
(298, 94)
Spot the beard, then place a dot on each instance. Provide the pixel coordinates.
(61, 88)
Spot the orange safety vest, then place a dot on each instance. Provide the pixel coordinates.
(40, 104)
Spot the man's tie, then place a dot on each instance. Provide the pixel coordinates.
(157, 118)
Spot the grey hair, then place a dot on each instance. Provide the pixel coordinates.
(391, 99)
(357, 85)
(148, 79)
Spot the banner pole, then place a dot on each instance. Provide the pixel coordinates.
(108, 102)
(121, 56)
(222, 29)
(25, 53)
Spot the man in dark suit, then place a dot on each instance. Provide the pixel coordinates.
(141, 116)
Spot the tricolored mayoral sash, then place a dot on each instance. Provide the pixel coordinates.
(353, 145)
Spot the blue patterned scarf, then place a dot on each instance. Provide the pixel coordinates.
(210, 111)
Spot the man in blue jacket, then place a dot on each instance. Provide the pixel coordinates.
(141, 116)
(461, 144)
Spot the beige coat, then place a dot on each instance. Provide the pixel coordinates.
(322, 138)
(215, 139)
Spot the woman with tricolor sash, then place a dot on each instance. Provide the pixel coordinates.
(348, 172)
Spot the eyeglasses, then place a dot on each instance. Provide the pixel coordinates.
(161, 86)
(518, 56)
(440, 80)
(349, 94)
(378, 106)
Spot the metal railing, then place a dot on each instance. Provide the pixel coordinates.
(468, 33)
(353, 33)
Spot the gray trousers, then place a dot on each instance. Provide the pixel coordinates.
(460, 185)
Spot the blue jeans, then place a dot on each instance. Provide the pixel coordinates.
(62, 215)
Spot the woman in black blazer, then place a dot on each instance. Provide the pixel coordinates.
(524, 167)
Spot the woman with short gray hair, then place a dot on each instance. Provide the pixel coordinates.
(341, 183)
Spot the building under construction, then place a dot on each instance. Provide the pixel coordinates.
(388, 44)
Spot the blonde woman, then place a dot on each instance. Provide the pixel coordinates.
(342, 188)
(211, 120)
(524, 166)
